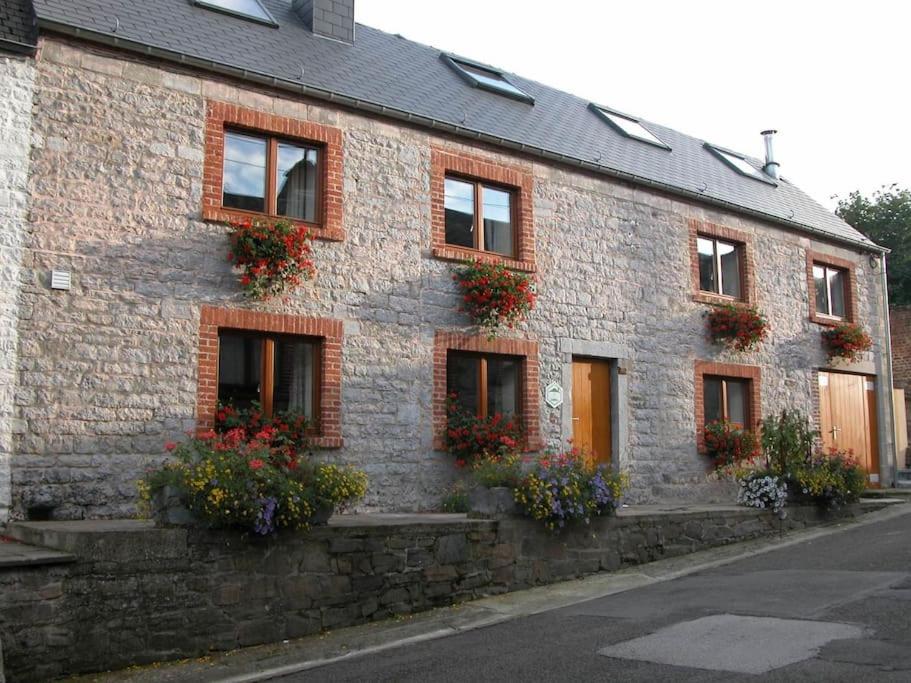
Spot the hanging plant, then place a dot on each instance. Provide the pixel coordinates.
(738, 327)
(847, 341)
(493, 295)
(273, 256)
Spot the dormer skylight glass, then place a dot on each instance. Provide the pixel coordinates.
(246, 9)
(739, 164)
(486, 77)
(627, 125)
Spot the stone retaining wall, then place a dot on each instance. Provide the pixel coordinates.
(140, 594)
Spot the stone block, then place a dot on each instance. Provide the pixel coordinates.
(452, 549)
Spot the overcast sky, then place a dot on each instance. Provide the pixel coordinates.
(832, 77)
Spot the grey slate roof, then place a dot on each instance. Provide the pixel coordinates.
(18, 31)
(386, 72)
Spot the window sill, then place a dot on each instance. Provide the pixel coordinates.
(327, 442)
(827, 321)
(453, 253)
(223, 215)
(718, 299)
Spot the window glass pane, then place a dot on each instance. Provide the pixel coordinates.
(730, 269)
(244, 184)
(462, 375)
(837, 282)
(711, 398)
(239, 369)
(293, 390)
(632, 128)
(497, 213)
(502, 386)
(250, 8)
(737, 402)
(706, 249)
(822, 296)
(295, 180)
(459, 206)
(491, 78)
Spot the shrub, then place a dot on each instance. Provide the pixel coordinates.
(763, 490)
(787, 441)
(847, 341)
(455, 499)
(738, 327)
(564, 487)
(273, 256)
(493, 295)
(502, 469)
(240, 480)
(469, 436)
(831, 479)
(729, 444)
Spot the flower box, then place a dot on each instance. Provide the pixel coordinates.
(169, 508)
(492, 503)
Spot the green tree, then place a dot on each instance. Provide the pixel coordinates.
(886, 219)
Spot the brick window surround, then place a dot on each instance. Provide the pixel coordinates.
(699, 228)
(817, 258)
(530, 401)
(220, 115)
(328, 331)
(727, 371)
(445, 161)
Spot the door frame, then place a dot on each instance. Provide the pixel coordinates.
(618, 359)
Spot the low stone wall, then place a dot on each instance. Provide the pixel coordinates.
(139, 594)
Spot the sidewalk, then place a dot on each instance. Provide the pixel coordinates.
(271, 661)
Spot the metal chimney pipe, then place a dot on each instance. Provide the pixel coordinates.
(771, 166)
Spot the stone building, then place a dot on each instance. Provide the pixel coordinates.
(141, 132)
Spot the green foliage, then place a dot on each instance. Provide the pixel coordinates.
(491, 471)
(832, 479)
(455, 499)
(886, 219)
(787, 441)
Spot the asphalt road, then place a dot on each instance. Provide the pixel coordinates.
(836, 608)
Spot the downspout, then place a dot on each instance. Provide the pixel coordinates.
(890, 403)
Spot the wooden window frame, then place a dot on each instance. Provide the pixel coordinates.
(446, 162)
(530, 401)
(743, 241)
(716, 265)
(835, 263)
(752, 373)
(483, 387)
(329, 367)
(267, 367)
(478, 186)
(271, 198)
(222, 117)
(725, 414)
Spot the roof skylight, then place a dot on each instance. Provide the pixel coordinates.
(247, 9)
(627, 125)
(739, 164)
(487, 78)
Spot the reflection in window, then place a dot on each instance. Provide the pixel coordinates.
(469, 204)
(831, 287)
(296, 181)
(726, 399)
(244, 172)
(484, 384)
(720, 267)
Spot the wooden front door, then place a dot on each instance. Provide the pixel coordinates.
(592, 408)
(847, 416)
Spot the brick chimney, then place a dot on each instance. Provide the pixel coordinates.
(327, 18)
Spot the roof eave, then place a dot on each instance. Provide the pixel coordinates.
(222, 68)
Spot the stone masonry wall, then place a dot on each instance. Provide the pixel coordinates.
(900, 320)
(108, 370)
(17, 75)
(139, 594)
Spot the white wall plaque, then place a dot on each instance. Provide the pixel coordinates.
(553, 395)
